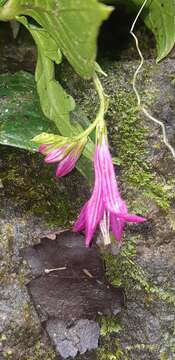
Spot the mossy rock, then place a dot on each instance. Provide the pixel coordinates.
(34, 204)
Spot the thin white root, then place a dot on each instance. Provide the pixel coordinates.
(134, 84)
(165, 139)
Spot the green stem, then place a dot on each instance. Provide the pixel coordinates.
(99, 120)
(101, 128)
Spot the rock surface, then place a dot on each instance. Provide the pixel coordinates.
(80, 337)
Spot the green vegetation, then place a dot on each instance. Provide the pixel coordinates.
(40, 195)
(123, 270)
(130, 140)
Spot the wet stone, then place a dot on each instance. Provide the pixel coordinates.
(68, 300)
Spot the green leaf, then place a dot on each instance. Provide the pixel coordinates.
(73, 24)
(46, 44)
(2, 2)
(56, 105)
(55, 102)
(73, 32)
(159, 16)
(116, 161)
(21, 117)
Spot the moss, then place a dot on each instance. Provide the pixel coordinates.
(26, 342)
(128, 133)
(7, 243)
(105, 353)
(129, 137)
(41, 196)
(172, 79)
(38, 353)
(113, 350)
(32, 188)
(123, 270)
(168, 351)
(109, 325)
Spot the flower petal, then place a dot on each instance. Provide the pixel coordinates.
(117, 226)
(67, 164)
(111, 193)
(42, 149)
(55, 155)
(95, 208)
(131, 218)
(81, 221)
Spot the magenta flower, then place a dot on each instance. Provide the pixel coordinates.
(66, 155)
(68, 163)
(105, 207)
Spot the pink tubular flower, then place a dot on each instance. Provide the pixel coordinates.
(66, 155)
(105, 208)
(68, 163)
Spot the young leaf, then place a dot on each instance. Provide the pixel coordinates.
(73, 24)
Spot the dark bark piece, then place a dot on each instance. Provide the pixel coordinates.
(67, 250)
(69, 300)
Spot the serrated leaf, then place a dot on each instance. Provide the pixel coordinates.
(73, 24)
